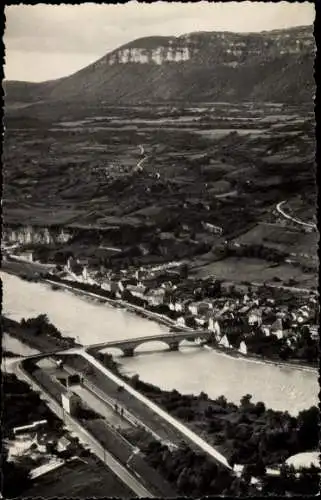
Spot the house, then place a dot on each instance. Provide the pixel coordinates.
(63, 444)
(110, 286)
(266, 329)
(136, 290)
(155, 297)
(214, 326)
(277, 328)
(255, 317)
(193, 308)
(74, 266)
(244, 309)
(70, 402)
(181, 321)
(314, 330)
(243, 347)
(179, 306)
(224, 341)
(204, 307)
(125, 282)
(246, 299)
(200, 321)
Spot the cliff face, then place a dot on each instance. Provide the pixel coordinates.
(230, 49)
(272, 66)
(30, 234)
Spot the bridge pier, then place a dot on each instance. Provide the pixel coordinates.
(173, 346)
(128, 352)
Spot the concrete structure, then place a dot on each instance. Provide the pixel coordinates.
(305, 459)
(171, 339)
(29, 428)
(70, 402)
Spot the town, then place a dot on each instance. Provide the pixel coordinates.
(160, 307)
(264, 320)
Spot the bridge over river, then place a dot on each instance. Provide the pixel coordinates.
(172, 340)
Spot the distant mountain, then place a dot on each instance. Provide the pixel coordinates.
(203, 66)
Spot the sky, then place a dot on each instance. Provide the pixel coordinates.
(44, 42)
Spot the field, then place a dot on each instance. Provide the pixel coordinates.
(245, 269)
(81, 478)
(290, 240)
(156, 177)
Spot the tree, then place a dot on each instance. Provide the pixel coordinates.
(308, 428)
(259, 408)
(184, 271)
(182, 482)
(222, 401)
(15, 477)
(246, 401)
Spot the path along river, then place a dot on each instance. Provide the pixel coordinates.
(191, 370)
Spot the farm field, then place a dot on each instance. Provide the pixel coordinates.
(285, 239)
(83, 478)
(246, 269)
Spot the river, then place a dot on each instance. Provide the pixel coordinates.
(190, 370)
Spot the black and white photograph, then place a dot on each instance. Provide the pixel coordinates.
(160, 309)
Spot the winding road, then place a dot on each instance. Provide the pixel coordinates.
(293, 219)
(141, 161)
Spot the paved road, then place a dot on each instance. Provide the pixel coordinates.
(104, 409)
(86, 438)
(293, 219)
(192, 436)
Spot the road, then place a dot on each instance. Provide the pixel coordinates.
(185, 431)
(141, 161)
(86, 438)
(226, 195)
(293, 219)
(289, 288)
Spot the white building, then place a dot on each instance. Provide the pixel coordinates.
(277, 328)
(193, 308)
(181, 321)
(224, 341)
(213, 326)
(178, 307)
(255, 317)
(70, 402)
(156, 297)
(85, 273)
(243, 348)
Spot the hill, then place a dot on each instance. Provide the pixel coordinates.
(275, 66)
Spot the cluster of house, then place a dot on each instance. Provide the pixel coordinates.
(215, 311)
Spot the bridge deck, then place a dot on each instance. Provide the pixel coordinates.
(153, 338)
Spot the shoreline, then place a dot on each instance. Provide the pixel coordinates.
(234, 353)
(163, 320)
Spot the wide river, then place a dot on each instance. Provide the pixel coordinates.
(190, 370)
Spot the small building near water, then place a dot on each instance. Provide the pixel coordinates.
(70, 402)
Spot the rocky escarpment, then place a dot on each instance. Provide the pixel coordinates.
(230, 49)
(25, 235)
(203, 66)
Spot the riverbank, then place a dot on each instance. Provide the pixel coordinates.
(55, 282)
(163, 320)
(38, 334)
(212, 419)
(281, 388)
(30, 471)
(234, 430)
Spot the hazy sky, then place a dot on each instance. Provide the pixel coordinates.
(49, 41)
